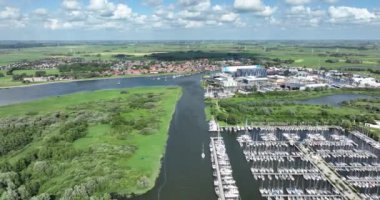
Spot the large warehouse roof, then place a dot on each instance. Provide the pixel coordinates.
(232, 69)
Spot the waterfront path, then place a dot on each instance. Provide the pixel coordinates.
(345, 190)
(214, 153)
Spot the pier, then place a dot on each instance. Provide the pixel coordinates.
(225, 185)
(219, 178)
(302, 161)
(284, 171)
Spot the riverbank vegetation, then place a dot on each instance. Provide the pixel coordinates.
(287, 108)
(85, 145)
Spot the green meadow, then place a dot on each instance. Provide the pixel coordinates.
(304, 54)
(85, 145)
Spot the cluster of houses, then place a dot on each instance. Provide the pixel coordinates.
(117, 68)
(158, 67)
(246, 79)
(43, 64)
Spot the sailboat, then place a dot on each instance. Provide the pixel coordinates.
(203, 152)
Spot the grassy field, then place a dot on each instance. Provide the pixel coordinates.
(310, 54)
(120, 151)
(7, 81)
(33, 72)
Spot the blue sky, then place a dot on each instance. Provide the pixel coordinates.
(189, 19)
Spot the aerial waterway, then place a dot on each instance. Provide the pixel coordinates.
(184, 174)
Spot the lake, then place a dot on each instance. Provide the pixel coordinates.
(334, 100)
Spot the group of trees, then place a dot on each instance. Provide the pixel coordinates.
(194, 55)
(84, 70)
(74, 130)
(266, 107)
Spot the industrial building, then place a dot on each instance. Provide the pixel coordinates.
(241, 71)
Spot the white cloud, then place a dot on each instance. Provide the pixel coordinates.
(217, 8)
(255, 6)
(11, 17)
(10, 13)
(330, 1)
(267, 11)
(122, 11)
(100, 5)
(152, 2)
(71, 4)
(193, 24)
(297, 2)
(248, 5)
(40, 12)
(55, 24)
(192, 2)
(305, 16)
(343, 14)
(229, 17)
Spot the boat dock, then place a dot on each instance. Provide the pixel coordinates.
(282, 169)
(225, 185)
(367, 139)
(216, 163)
(214, 127)
(310, 162)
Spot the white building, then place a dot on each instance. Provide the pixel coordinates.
(365, 82)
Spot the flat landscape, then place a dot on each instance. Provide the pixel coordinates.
(317, 54)
(87, 144)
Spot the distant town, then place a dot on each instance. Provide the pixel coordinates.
(229, 77)
(247, 79)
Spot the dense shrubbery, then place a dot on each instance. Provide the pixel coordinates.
(268, 108)
(53, 155)
(84, 67)
(74, 130)
(83, 70)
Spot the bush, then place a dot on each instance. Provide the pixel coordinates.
(72, 131)
(40, 73)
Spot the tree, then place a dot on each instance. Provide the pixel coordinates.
(346, 124)
(40, 73)
(1, 75)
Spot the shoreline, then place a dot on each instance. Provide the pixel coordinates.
(91, 79)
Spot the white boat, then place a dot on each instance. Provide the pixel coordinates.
(203, 152)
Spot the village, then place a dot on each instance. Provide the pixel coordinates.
(109, 68)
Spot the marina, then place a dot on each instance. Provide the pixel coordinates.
(306, 162)
(224, 183)
(281, 168)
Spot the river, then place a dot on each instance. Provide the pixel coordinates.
(184, 174)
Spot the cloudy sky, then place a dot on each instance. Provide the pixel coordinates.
(188, 19)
